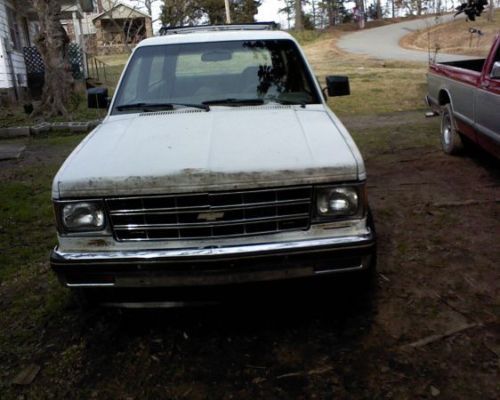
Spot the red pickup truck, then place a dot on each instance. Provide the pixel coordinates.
(467, 95)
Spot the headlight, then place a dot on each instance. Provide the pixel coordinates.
(82, 216)
(339, 202)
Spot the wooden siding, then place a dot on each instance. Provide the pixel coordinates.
(17, 55)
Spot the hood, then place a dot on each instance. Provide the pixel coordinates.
(194, 150)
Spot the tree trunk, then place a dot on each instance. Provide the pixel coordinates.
(331, 15)
(379, 10)
(361, 5)
(149, 7)
(313, 14)
(52, 43)
(299, 25)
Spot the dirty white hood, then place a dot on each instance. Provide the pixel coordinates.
(223, 149)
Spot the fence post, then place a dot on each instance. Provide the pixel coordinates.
(104, 72)
(96, 68)
(87, 64)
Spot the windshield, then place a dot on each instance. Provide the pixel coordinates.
(219, 73)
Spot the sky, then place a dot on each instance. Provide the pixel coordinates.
(268, 11)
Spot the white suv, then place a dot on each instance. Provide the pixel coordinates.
(219, 162)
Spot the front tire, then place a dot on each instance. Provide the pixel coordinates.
(451, 141)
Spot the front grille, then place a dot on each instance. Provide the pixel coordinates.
(210, 215)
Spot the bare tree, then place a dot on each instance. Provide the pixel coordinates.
(378, 8)
(148, 5)
(288, 9)
(52, 44)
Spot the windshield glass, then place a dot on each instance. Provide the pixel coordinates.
(220, 73)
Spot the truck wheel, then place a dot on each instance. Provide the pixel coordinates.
(451, 142)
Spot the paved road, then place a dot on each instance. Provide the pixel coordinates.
(383, 42)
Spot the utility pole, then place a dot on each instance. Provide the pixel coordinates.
(228, 12)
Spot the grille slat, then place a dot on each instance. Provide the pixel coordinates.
(207, 224)
(206, 215)
(201, 209)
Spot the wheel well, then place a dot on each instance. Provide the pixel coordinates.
(444, 98)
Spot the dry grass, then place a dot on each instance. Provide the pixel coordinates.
(115, 59)
(376, 86)
(454, 37)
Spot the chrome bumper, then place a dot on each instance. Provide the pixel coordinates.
(214, 266)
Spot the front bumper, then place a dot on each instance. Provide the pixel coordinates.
(215, 266)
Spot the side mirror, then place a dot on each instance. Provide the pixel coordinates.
(495, 71)
(97, 97)
(337, 85)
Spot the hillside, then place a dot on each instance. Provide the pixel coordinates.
(454, 37)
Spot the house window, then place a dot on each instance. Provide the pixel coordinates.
(15, 37)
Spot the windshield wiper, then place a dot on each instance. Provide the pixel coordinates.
(235, 102)
(146, 107)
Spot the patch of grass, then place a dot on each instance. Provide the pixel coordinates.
(26, 214)
(26, 209)
(306, 36)
(383, 140)
(397, 89)
(15, 116)
(112, 77)
(30, 295)
(114, 59)
(376, 86)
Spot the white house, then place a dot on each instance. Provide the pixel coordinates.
(16, 31)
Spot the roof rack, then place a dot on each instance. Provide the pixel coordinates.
(256, 26)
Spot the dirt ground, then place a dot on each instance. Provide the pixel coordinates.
(428, 329)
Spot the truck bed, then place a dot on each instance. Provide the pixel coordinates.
(473, 65)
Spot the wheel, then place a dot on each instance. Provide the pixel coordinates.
(451, 141)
